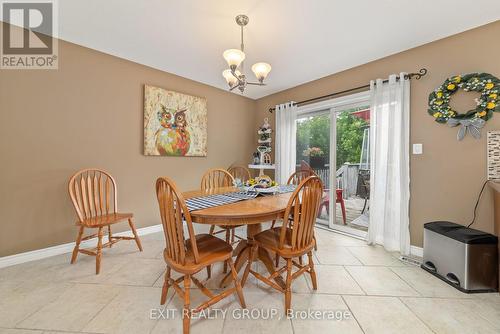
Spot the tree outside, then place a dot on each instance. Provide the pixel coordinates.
(315, 132)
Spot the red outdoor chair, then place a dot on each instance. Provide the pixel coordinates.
(325, 202)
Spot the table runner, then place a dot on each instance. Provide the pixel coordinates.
(204, 202)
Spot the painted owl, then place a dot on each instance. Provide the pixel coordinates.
(174, 139)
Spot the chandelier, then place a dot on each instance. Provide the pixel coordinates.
(235, 76)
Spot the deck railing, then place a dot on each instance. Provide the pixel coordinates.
(346, 176)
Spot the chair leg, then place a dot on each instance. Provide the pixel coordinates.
(109, 236)
(99, 252)
(274, 222)
(315, 243)
(342, 206)
(237, 284)
(233, 235)
(300, 260)
(312, 272)
(212, 230)
(137, 240)
(228, 240)
(166, 285)
(77, 244)
(288, 284)
(277, 260)
(253, 250)
(209, 271)
(186, 311)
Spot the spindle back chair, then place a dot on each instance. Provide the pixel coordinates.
(294, 241)
(93, 193)
(240, 172)
(189, 255)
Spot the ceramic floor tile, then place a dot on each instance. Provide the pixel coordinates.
(83, 270)
(384, 315)
(380, 281)
(336, 280)
(72, 310)
(336, 255)
(374, 256)
(129, 312)
(130, 274)
(324, 237)
(450, 315)
(52, 296)
(488, 307)
(214, 282)
(334, 316)
(426, 284)
(170, 320)
(18, 331)
(20, 301)
(260, 317)
(128, 248)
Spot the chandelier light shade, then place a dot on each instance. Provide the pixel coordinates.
(234, 57)
(235, 76)
(230, 78)
(261, 70)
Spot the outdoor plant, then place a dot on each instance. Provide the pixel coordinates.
(313, 152)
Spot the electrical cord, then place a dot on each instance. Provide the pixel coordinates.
(477, 203)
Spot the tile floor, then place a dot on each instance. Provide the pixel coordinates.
(367, 289)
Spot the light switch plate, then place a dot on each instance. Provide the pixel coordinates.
(418, 149)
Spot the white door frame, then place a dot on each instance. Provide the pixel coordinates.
(333, 106)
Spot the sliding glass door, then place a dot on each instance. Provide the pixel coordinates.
(333, 141)
(313, 151)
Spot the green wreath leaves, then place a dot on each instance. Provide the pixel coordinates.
(487, 84)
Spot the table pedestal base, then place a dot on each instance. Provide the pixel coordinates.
(243, 254)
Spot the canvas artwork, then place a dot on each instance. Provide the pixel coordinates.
(175, 124)
(493, 140)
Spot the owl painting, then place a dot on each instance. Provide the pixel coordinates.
(174, 124)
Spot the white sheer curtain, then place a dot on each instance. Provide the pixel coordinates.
(390, 175)
(286, 115)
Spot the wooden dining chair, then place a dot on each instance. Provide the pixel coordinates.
(94, 196)
(295, 179)
(240, 172)
(189, 255)
(291, 242)
(299, 176)
(214, 179)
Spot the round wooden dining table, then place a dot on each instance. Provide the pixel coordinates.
(252, 213)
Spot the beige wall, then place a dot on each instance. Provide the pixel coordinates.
(89, 113)
(445, 180)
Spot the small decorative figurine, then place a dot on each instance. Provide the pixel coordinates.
(264, 141)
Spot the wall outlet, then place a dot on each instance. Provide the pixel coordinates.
(418, 149)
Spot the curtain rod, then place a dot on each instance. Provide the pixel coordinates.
(421, 73)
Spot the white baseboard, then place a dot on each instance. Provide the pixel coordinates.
(38, 254)
(416, 251)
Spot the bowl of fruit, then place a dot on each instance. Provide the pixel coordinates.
(262, 184)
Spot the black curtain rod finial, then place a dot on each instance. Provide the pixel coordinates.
(422, 72)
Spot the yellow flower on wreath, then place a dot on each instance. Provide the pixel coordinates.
(439, 102)
(437, 115)
(493, 95)
(450, 86)
(457, 79)
(439, 94)
(451, 113)
(491, 105)
(489, 85)
(481, 114)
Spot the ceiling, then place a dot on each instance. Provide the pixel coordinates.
(302, 40)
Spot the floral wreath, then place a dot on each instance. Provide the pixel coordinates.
(473, 120)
